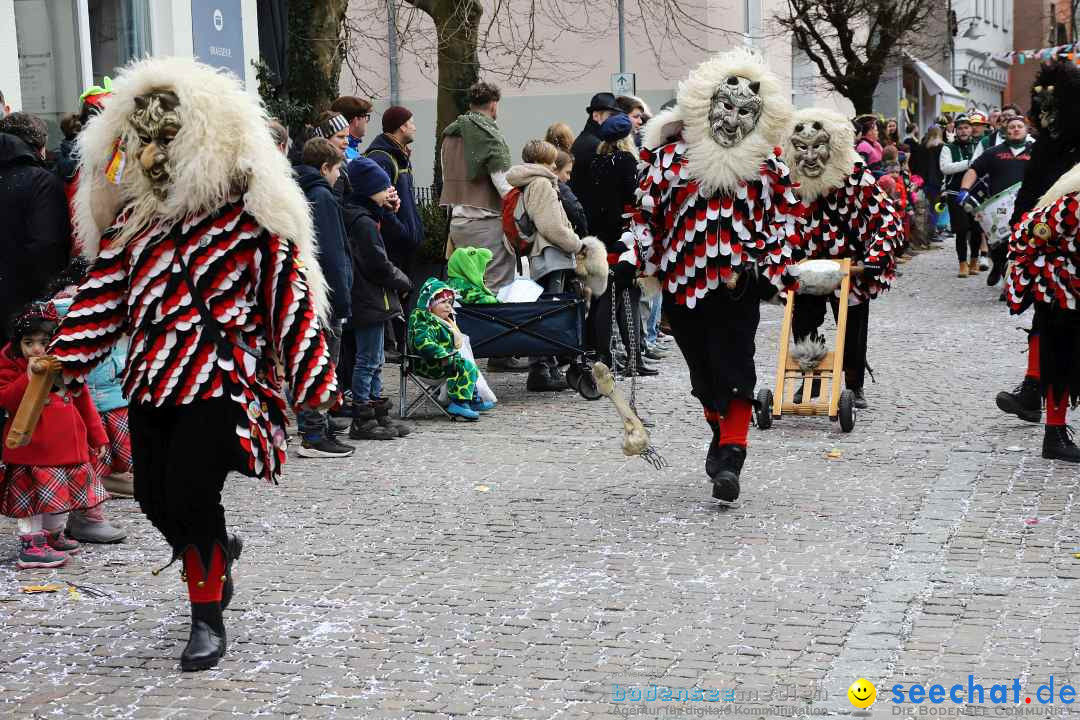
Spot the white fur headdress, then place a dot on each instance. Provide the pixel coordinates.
(842, 154)
(223, 145)
(710, 164)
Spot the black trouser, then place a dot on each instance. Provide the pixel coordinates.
(716, 338)
(346, 357)
(599, 323)
(182, 455)
(1059, 349)
(553, 283)
(966, 229)
(808, 316)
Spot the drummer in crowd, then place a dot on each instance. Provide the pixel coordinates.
(1003, 168)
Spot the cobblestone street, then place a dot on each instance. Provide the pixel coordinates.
(521, 567)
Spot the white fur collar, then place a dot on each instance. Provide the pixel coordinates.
(842, 154)
(223, 144)
(713, 166)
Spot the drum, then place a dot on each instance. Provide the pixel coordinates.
(993, 215)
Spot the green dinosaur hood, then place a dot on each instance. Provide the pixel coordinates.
(429, 289)
(469, 265)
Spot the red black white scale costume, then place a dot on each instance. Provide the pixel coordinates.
(716, 225)
(203, 252)
(847, 216)
(1044, 252)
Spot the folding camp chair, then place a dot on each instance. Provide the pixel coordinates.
(428, 388)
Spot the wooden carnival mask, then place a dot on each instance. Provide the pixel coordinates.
(156, 122)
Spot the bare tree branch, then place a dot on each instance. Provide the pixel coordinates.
(828, 32)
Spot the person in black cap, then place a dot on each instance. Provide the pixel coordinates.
(613, 191)
(601, 107)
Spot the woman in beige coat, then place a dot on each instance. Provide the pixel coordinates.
(558, 257)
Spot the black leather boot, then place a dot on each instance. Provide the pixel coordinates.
(366, 427)
(712, 458)
(382, 408)
(540, 380)
(729, 459)
(206, 584)
(815, 391)
(1025, 401)
(236, 546)
(1058, 444)
(206, 643)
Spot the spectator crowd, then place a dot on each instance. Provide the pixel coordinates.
(553, 213)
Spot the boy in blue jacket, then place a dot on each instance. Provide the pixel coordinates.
(318, 172)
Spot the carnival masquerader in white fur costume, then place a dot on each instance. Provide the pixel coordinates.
(716, 224)
(847, 216)
(204, 255)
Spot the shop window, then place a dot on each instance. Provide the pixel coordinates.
(50, 64)
(119, 33)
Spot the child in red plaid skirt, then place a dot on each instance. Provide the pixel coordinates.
(53, 473)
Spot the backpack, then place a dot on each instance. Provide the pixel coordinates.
(517, 226)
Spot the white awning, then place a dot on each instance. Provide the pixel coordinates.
(952, 100)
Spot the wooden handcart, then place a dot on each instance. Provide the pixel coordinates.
(838, 404)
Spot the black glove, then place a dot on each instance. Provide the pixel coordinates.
(625, 273)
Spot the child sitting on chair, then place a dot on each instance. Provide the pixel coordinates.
(442, 348)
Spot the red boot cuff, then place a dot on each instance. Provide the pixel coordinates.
(204, 584)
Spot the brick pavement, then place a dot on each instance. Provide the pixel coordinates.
(520, 567)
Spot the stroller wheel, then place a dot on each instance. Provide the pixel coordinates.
(846, 411)
(763, 411)
(579, 377)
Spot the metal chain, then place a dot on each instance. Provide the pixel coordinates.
(633, 352)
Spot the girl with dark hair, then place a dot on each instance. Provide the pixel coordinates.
(52, 474)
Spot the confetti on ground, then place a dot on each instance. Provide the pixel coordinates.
(834, 455)
(481, 488)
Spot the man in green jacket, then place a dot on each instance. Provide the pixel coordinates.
(475, 158)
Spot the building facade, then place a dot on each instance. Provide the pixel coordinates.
(1037, 24)
(586, 61)
(52, 50)
(985, 28)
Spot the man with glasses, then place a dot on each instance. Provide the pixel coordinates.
(357, 112)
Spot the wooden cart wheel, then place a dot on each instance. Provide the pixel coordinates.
(846, 411)
(764, 409)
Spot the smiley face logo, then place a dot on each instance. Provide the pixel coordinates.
(862, 694)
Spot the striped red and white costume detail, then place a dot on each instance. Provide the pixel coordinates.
(1045, 256)
(693, 242)
(252, 283)
(872, 217)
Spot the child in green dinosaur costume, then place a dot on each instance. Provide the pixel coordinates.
(434, 336)
(465, 273)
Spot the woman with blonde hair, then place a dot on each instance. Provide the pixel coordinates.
(561, 136)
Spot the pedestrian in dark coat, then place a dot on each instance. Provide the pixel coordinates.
(600, 109)
(36, 240)
(391, 152)
(376, 297)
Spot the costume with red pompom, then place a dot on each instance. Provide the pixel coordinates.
(716, 225)
(847, 216)
(1044, 252)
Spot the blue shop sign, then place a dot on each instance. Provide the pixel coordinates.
(217, 34)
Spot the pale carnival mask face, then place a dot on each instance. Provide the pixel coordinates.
(156, 122)
(811, 145)
(735, 111)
